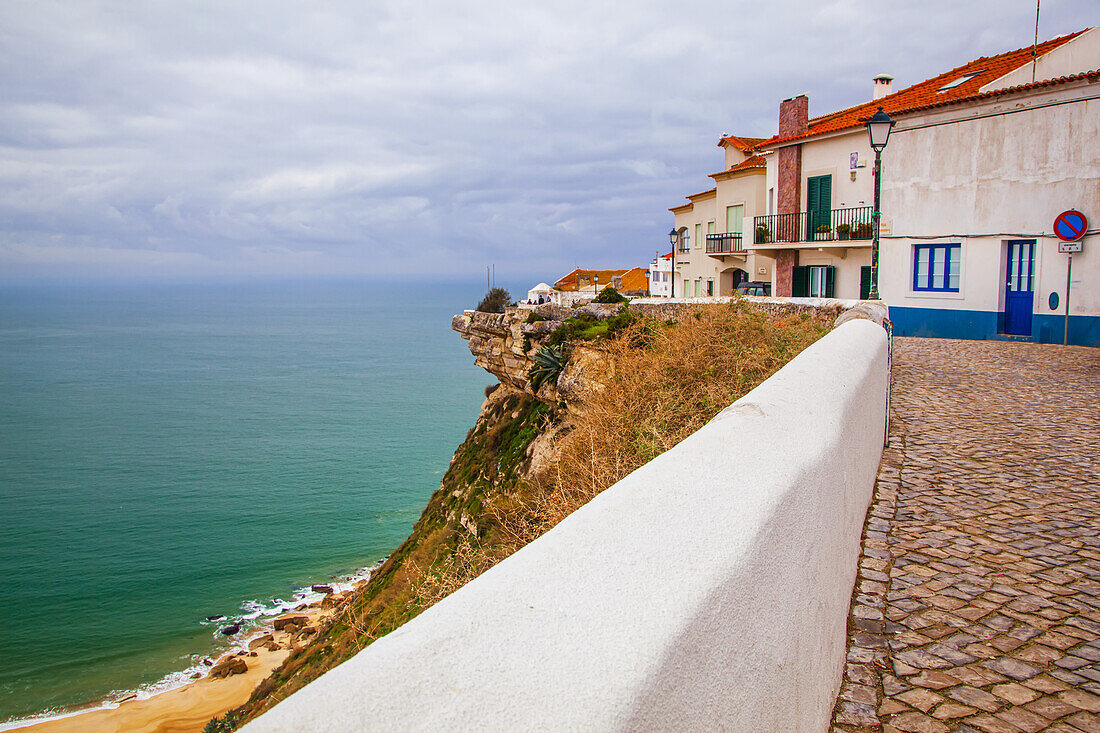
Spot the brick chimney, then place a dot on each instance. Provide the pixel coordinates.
(882, 84)
(794, 115)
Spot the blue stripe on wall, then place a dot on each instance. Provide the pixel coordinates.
(980, 325)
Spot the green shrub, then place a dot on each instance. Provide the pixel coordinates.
(548, 365)
(494, 301)
(226, 724)
(609, 295)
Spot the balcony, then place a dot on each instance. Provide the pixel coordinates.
(832, 225)
(724, 244)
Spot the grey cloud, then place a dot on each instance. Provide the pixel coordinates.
(216, 138)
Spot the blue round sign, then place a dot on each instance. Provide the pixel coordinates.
(1070, 225)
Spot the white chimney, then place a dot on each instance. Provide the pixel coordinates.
(882, 85)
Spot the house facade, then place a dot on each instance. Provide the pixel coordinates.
(711, 258)
(974, 188)
(982, 159)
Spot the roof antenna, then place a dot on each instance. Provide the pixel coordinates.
(1035, 46)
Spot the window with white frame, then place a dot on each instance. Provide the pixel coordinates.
(819, 283)
(936, 268)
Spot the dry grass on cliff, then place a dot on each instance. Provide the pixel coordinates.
(664, 382)
(661, 392)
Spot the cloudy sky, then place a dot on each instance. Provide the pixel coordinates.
(421, 137)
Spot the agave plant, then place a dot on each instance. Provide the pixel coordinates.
(549, 361)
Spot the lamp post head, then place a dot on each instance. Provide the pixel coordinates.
(878, 127)
(673, 236)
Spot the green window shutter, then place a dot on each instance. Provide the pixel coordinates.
(819, 202)
(830, 282)
(800, 281)
(865, 282)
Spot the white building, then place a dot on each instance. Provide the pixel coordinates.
(973, 187)
(980, 163)
(711, 258)
(660, 276)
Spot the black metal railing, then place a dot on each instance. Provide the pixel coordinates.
(831, 225)
(684, 247)
(724, 244)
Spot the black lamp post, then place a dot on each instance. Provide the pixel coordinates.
(674, 238)
(878, 127)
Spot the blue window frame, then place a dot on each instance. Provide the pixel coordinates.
(936, 268)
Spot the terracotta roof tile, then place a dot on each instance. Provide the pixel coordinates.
(943, 89)
(1093, 75)
(740, 142)
(756, 161)
(633, 279)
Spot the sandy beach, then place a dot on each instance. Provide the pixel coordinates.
(187, 709)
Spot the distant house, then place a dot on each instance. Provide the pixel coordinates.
(628, 282)
(660, 276)
(541, 290)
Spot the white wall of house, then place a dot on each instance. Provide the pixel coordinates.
(660, 278)
(695, 268)
(1078, 55)
(984, 173)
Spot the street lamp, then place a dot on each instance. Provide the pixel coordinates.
(878, 128)
(674, 238)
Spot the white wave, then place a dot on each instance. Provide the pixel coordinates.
(253, 613)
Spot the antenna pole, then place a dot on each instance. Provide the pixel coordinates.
(1035, 46)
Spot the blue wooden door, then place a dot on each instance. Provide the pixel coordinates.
(1019, 289)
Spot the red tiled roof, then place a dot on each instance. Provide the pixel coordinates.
(1093, 75)
(927, 93)
(632, 279)
(740, 142)
(755, 161)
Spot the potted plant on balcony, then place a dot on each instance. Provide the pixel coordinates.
(762, 234)
(863, 230)
(842, 231)
(822, 232)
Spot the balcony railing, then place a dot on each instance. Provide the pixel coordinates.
(832, 225)
(724, 244)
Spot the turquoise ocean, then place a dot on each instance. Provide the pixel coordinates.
(171, 452)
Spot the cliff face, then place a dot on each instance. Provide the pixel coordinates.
(491, 467)
(505, 344)
(494, 476)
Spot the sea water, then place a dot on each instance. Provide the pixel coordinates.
(173, 452)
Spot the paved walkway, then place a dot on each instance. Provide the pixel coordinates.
(977, 606)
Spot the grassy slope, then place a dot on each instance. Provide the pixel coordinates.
(670, 379)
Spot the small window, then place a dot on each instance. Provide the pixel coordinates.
(936, 268)
(818, 281)
(960, 81)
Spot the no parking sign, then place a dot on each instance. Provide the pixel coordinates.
(1070, 226)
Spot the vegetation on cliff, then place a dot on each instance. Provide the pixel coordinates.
(526, 465)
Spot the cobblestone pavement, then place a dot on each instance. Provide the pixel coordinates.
(977, 606)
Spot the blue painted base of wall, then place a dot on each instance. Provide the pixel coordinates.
(981, 325)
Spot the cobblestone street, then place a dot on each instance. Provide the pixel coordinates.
(977, 606)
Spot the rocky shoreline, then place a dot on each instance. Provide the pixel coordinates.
(226, 682)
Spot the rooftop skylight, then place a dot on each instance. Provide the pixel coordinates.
(961, 80)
